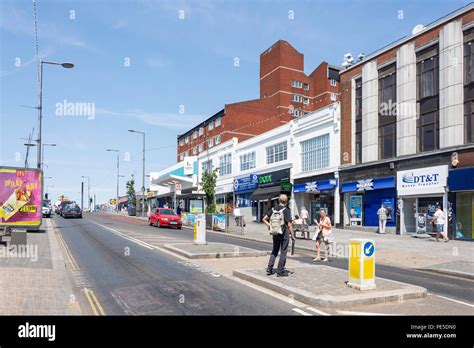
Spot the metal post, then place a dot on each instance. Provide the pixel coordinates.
(143, 178)
(89, 193)
(118, 178)
(40, 113)
(82, 195)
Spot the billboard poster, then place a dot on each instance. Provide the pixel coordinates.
(355, 206)
(196, 206)
(20, 196)
(421, 223)
(389, 204)
(218, 222)
(188, 219)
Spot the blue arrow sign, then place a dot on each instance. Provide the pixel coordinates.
(369, 249)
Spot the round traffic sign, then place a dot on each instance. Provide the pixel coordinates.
(369, 249)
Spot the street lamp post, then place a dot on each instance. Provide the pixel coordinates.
(143, 174)
(88, 190)
(40, 104)
(42, 155)
(118, 175)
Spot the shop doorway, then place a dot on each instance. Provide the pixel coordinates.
(420, 205)
(319, 202)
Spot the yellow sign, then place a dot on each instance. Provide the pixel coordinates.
(28, 209)
(362, 264)
(113, 201)
(195, 230)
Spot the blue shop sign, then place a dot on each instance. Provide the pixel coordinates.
(315, 186)
(368, 185)
(246, 184)
(461, 179)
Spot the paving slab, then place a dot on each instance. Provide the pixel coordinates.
(325, 286)
(212, 250)
(459, 268)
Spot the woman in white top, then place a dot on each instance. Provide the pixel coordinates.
(439, 221)
(325, 227)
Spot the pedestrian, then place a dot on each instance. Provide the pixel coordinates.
(439, 220)
(278, 221)
(304, 215)
(325, 229)
(382, 213)
(298, 220)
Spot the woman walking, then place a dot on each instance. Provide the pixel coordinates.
(324, 225)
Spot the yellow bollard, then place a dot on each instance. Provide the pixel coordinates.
(362, 264)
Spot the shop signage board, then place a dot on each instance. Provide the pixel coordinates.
(315, 186)
(355, 210)
(274, 178)
(368, 184)
(189, 165)
(248, 183)
(286, 186)
(422, 181)
(196, 206)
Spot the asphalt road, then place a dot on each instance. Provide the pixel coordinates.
(128, 278)
(453, 287)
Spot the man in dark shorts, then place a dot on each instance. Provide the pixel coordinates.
(280, 241)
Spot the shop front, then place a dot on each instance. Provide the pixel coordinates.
(363, 198)
(243, 189)
(461, 198)
(270, 186)
(419, 191)
(315, 195)
(224, 198)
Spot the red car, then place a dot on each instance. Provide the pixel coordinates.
(164, 217)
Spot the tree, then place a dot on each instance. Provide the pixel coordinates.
(208, 184)
(132, 198)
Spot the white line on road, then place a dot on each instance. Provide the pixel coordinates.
(317, 311)
(452, 299)
(139, 242)
(302, 312)
(362, 313)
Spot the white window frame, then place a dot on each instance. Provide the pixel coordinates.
(195, 150)
(297, 112)
(277, 152)
(186, 140)
(333, 96)
(181, 142)
(181, 156)
(225, 164)
(297, 98)
(211, 125)
(306, 86)
(206, 166)
(305, 101)
(210, 143)
(296, 84)
(195, 134)
(217, 122)
(217, 139)
(201, 131)
(315, 153)
(248, 161)
(201, 147)
(333, 82)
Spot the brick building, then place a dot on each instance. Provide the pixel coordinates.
(286, 92)
(407, 115)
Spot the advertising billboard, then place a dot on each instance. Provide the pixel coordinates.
(20, 197)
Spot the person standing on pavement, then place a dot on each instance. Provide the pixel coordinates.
(382, 213)
(278, 221)
(438, 221)
(325, 229)
(304, 215)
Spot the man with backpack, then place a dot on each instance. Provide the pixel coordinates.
(278, 220)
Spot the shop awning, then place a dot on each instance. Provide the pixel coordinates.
(368, 184)
(461, 179)
(266, 193)
(171, 180)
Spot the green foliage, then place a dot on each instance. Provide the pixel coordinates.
(208, 184)
(132, 198)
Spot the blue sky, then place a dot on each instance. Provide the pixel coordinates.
(173, 62)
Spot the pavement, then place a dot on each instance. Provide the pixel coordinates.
(212, 250)
(34, 280)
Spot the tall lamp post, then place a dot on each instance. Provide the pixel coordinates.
(118, 175)
(42, 150)
(44, 181)
(40, 103)
(88, 190)
(143, 174)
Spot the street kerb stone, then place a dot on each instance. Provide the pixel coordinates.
(464, 269)
(212, 250)
(325, 286)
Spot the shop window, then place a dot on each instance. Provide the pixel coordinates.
(315, 153)
(225, 164)
(247, 161)
(464, 228)
(358, 120)
(277, 153)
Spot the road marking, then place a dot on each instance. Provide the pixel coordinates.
(302, 312)
(362, 313)
(317, 311)
(67, 251)
(94, 302)
(137, 241)
(452, 299)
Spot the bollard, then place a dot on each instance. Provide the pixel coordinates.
(362, 264)
(200, 229)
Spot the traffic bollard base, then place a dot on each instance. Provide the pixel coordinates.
(361, 287)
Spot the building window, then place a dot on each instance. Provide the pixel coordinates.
(296, 84)
(315, 153)
(186, 140)
(306, 86)
(207, 166)
(201, 147)
(358, 120)
(468, 62)
(195, 134)
(210, 143)
(218, 139)
(427, 71)
(211, 125)
(225, 164)
(428, 131)
(195, 150)
(387, 112)
(297, 112)
(181, 142)
(297, 98)
(333, 96)
(247, 161)
(333, 83)
(201, 131)
(306, 101)
(218, 122)
(469, 86)
(181, 156)
(186, 153)
(469, 121)
(277, 153)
